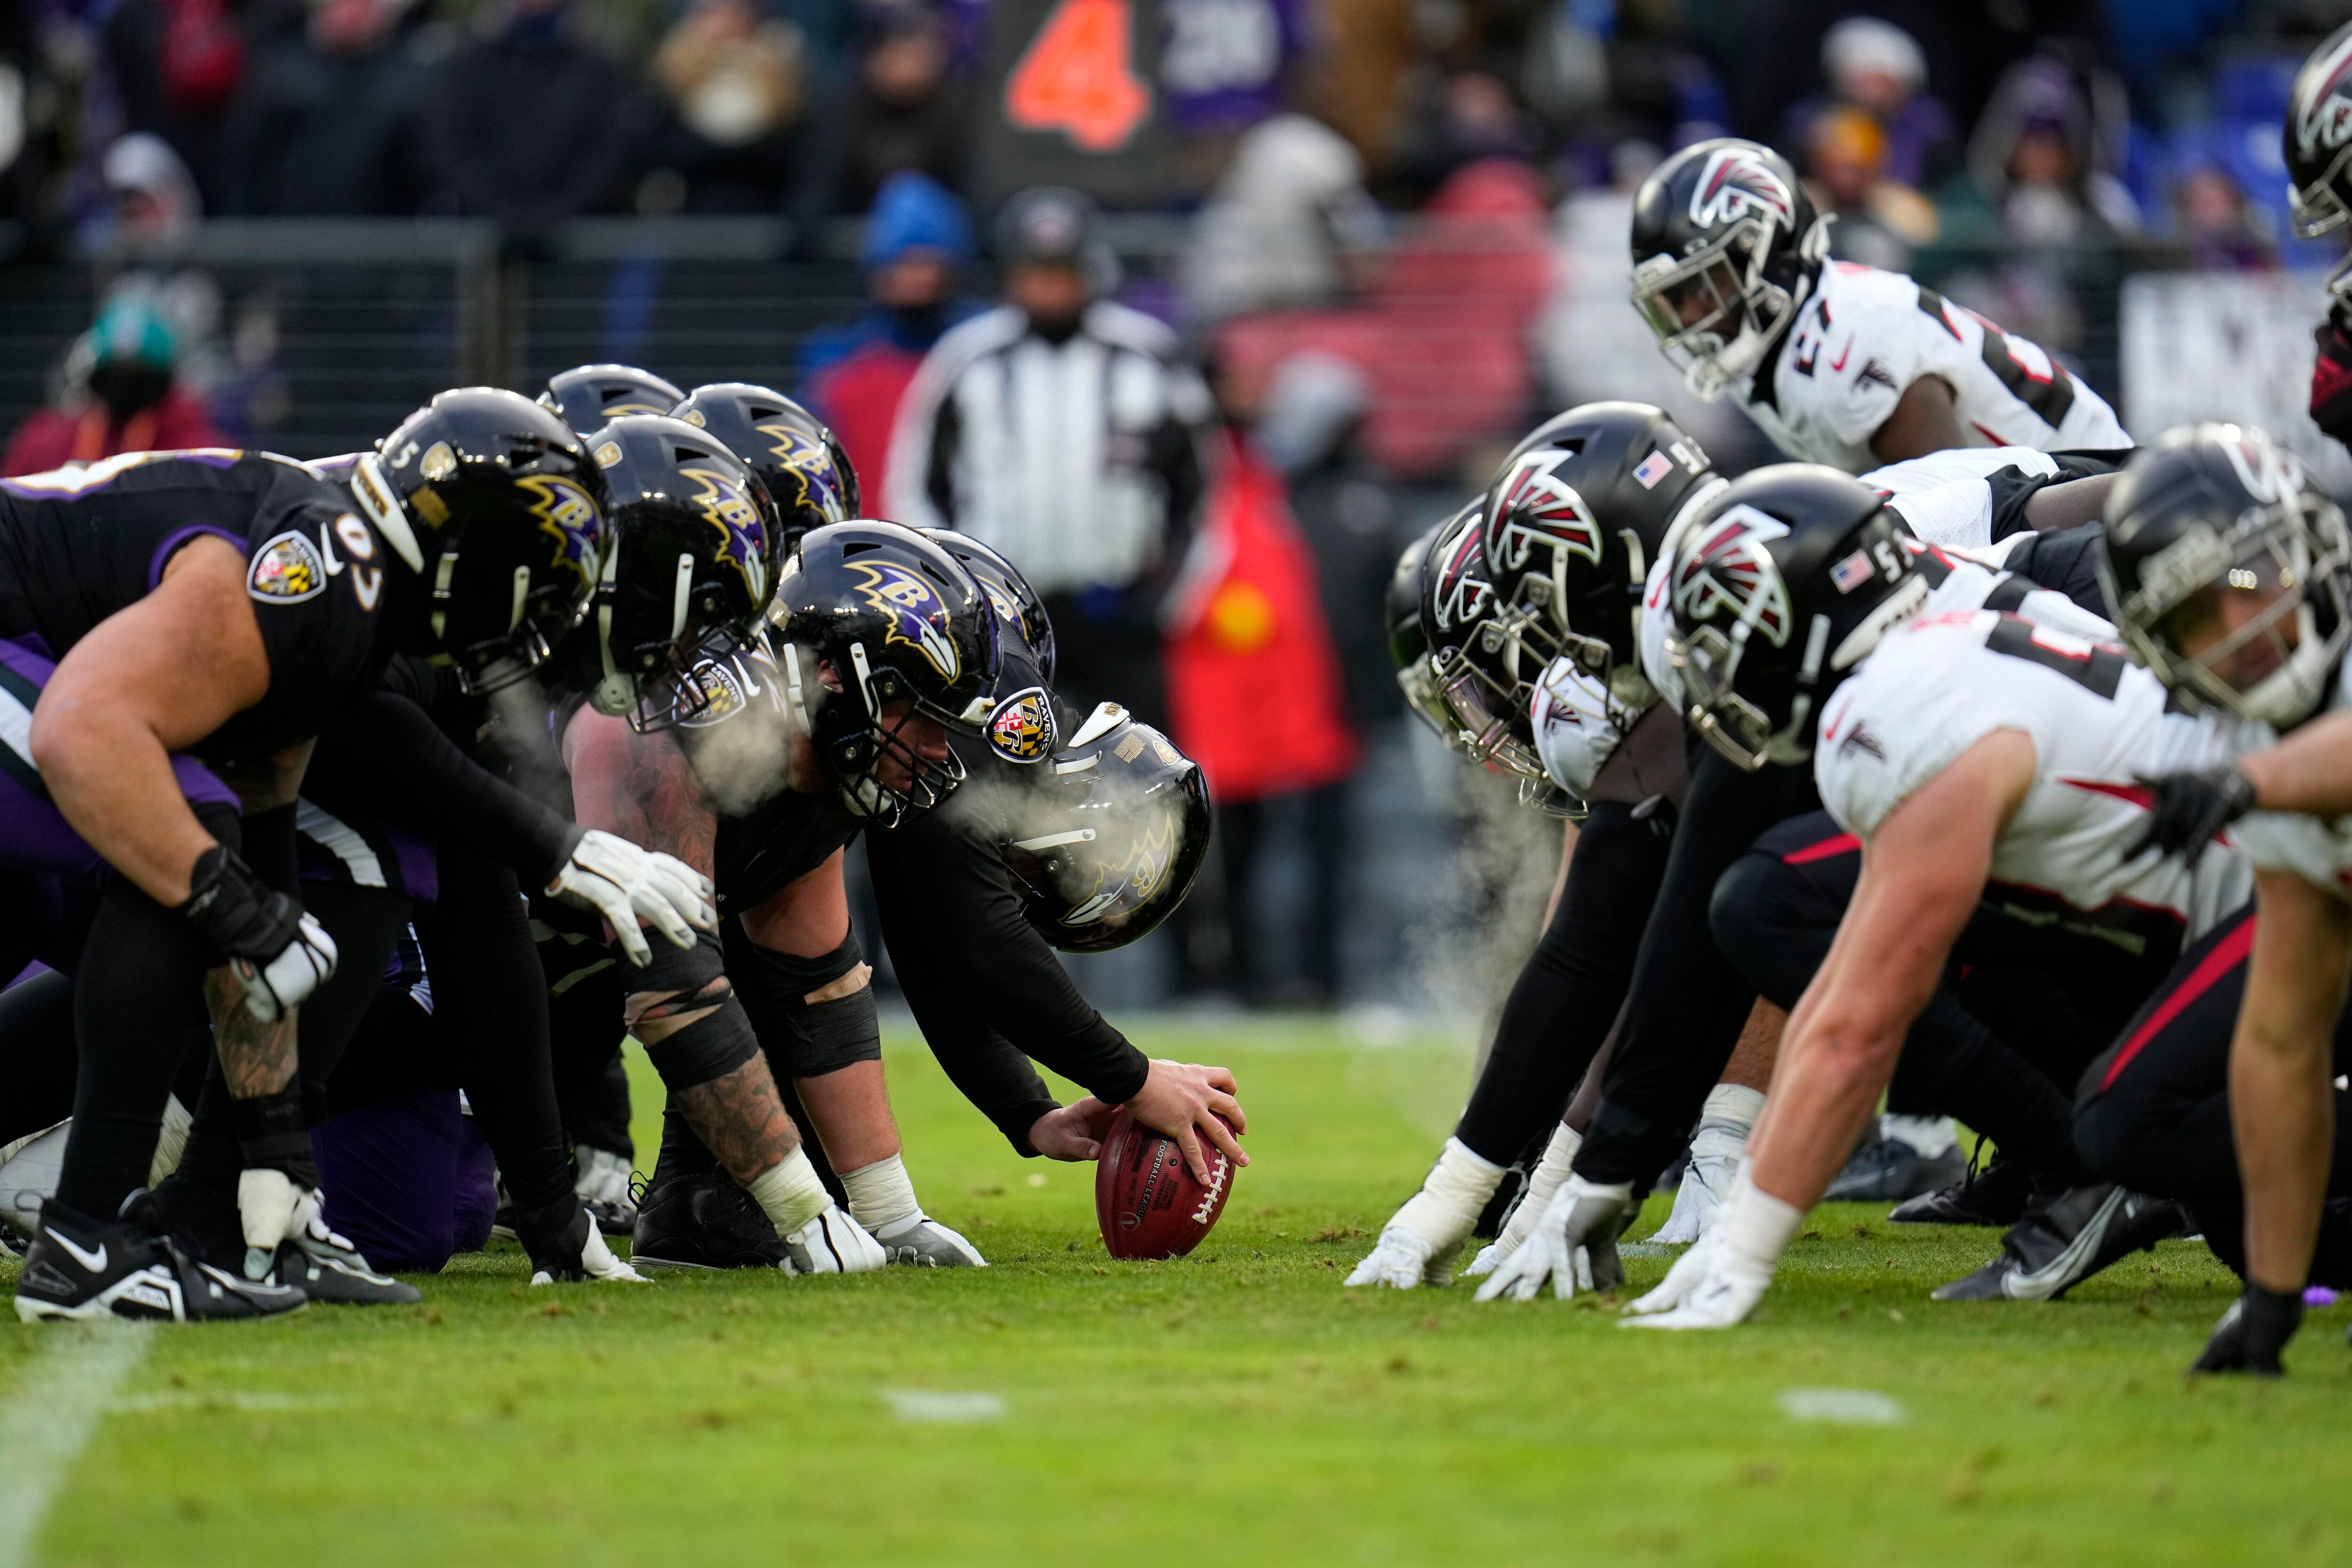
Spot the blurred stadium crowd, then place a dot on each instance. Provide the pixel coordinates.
(1388, 235)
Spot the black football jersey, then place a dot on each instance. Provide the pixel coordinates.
(77, 544)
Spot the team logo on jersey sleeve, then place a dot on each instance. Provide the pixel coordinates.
(917, 615)
(818, 486)
(1022, 729)
(1535, 506)
(743, 534)
(1727, 569)
(287, 570)
(1736, 183)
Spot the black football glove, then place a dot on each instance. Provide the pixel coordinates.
(2331, 376)
(280, 955)
(2252, 1332)
(2189, 808)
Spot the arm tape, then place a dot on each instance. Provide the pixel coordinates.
(708, 1047)
(825, 1036)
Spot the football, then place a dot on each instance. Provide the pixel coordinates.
(1148, 1204)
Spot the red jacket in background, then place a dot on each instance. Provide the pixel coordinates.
(1253, 681)
(55, 437)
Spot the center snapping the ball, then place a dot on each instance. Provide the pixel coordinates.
(1148, 1204)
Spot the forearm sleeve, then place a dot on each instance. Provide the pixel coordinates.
(385, 752)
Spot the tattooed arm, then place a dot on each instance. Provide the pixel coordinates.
(257, 1058)
(639, 786)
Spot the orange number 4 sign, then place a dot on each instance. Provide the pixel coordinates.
(1077, 76)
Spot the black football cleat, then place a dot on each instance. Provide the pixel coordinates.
(1888, 1170)
(2064, 1242)
(705, 1221)
(330, 1268)
(81, 1268)
(1996, 1194)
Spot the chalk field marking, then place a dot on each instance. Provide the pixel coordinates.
(1842, 1407)
(928, 1404)
(48, 1419)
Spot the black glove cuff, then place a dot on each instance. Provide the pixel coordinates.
(273, 1131)
(235, 911)
(2270, 1317)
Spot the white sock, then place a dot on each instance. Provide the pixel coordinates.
(1756, 1225)
(790, 1193)
(1455, 1189)
(881, 1198)
(1930, 1135)
(1729, 1117)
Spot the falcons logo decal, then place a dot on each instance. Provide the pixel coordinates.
(1462, 586)
(1536, 507)
(1727, 572)
(2327, 118)
(1736, 183)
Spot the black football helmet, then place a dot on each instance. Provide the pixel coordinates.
(1482, 667)
(1576, 514)
(1726, 246)
(493, 506)
(1409, 649)
(694, 565)
(1023, 727)
(807, 474)
(2228, 573)
(899, 620)
(589, 396)
(1105, 842)
(1779, 585)
(2317, 140)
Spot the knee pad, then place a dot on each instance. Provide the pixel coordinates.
(709, 1048)
(824, 1037)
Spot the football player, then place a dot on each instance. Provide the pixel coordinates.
(1971, 747)
(2318, 146)
(1837, 363)
(233, 603)
(2232, 579)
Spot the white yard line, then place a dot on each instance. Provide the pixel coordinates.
(47, 1417)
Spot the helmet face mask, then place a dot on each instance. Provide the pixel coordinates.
(2243, 614)
(1484, 655)
(1725, 246)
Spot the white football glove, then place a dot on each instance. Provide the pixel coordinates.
(597, 1261)
(1559, 1156)
(1712, 1286)
(280, 984)
(1577, 727)
(615, 879)
(832, 1243)
(1404, 1258)
(1573, 1245)
(1423, 1239)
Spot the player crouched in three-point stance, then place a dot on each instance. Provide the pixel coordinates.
(1968, 750)
(2233, 581)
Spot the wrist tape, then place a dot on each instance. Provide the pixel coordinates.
(275, 1135)
(826, 1036)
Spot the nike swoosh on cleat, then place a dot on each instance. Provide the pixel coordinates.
(93, 1261)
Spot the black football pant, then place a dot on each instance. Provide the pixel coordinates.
(585, 998)
(1686, 1003)
(1776, 913)
(1568, 994)
(2153, 1111)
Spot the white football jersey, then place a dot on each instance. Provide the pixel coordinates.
(1862, 336)
(1955, 581)
(2098, 724)
(2316, 848)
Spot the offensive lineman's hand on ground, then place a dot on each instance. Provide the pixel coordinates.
(1187, 1101)
(1573, 1245)
(2252, 1332)
(1073, 1133)
(614, 878)
(1712, 1286)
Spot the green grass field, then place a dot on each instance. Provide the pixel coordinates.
(1237, 1407)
